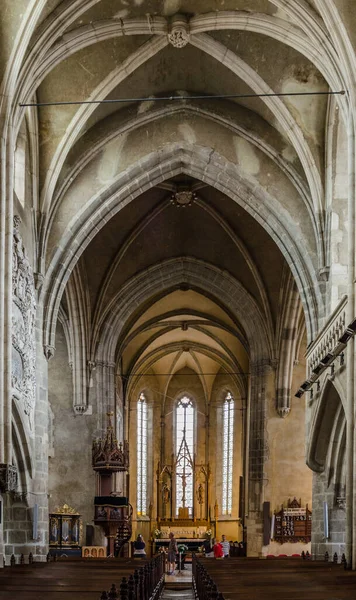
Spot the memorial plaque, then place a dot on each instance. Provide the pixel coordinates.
(293, 524)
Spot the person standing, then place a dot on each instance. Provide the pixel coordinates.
(139, 548)
(218, 549)
(208, 548)
(225, 546)
(172, 553)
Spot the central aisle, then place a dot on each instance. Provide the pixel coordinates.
(179, 585)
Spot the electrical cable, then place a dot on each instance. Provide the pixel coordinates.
(172, 98)
(181, 375)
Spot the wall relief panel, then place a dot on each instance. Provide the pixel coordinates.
(23, 326)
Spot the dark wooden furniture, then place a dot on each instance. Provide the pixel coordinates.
(83, 579)
(293, 523)
(64, 529)
(284, 579)
(112, 512)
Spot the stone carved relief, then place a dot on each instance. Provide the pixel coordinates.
(179, 32)
(341, 502)
(8, 478)
(23, 325)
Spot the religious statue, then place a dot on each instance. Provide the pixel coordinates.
(200, 493)
(115, 513)
(101, 513)
(166, 494)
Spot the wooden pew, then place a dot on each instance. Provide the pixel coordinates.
(83, 579)
(254, 579)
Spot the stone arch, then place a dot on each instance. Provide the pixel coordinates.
(219, 52)
(225, 362)
(22, 444)
(328, 411)
(231, 121)
(170, 275)
(278, 109)
(42, 62)
(194, 161)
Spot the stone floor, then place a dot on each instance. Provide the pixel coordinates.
(180, 577)
(179, 585)
(182, 594)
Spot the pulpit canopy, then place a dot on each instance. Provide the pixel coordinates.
(108, 455)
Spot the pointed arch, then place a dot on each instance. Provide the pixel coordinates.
(329, 410)
(194, 161)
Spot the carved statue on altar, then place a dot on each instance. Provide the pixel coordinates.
(166, 492)
(200, 493)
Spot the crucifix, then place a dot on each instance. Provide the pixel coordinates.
(184, 468)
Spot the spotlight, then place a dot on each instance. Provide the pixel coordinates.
(352, 327)
(305, 386)
(345, 337)
(327, 359)
(299, 393)
(318, 368)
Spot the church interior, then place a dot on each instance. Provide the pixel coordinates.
(177, 276)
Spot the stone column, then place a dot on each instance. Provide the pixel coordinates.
(105, 392)
(40, 482)
(261, 379)
(350, 433)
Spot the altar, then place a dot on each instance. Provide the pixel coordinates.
(185, 531)
(193, 544)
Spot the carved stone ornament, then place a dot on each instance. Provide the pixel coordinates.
(49, 352)
(80, 409)
(39, 279)
(23, 325)
(8, 478)
(183, 198)
(283, 411)
(341, 502)
(179, 32)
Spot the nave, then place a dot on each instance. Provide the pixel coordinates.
(177, 283)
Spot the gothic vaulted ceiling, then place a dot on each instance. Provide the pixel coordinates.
(251, 168)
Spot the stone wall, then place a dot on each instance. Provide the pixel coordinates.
(322, 492)
(286, 474)
(71, 477)
(18, 533)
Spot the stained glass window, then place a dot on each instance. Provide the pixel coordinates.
(184, 453)
(142, 455)
(228, 448)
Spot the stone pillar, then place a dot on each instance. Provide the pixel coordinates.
(105, 392)
(350, 419)
(323, 491)
(6, 227)
(261, 380)
(2, 550)
(40, 483)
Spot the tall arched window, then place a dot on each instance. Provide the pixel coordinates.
(184, 454)
(228, 450)
(142, 455)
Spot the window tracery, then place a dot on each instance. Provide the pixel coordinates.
(142, 426)
(228, 449)
(184, 454)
